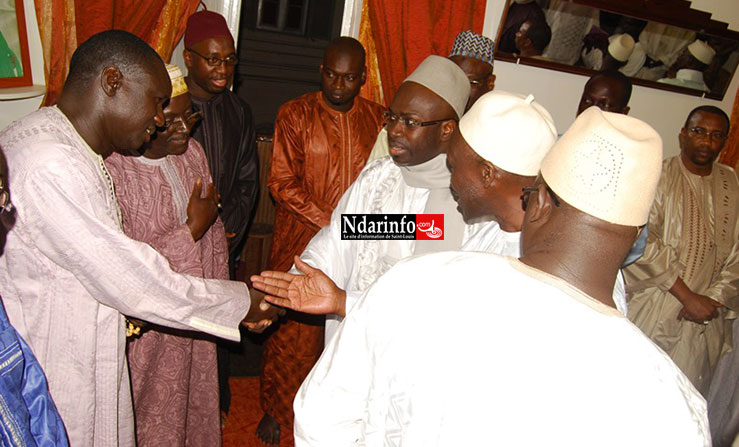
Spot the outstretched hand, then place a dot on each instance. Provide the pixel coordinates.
(312, 293)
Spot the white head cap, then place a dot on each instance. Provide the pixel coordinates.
(621, 46)
(446, 79)
(606, 165)
(178, 81)
(702, 51)
(512, 132)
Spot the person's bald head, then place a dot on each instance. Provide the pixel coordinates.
(420, 124)
(342, 72)
(115, 92)
(115, 48)
(610, 91)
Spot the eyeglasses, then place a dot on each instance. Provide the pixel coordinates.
(480, 81)
(188, 120)
(410, 123)
(217, 61)
(701, 132)
(527, 193)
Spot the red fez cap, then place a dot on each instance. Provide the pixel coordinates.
(205, 25)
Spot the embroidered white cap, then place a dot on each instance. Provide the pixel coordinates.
(702, 51)
(446, 79)
(606, 165)
(178, 80)
(511, 131)
(621, 46)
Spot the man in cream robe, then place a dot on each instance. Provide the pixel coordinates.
(685, 288)
(577, 363)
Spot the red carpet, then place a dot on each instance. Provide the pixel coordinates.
(244, 416)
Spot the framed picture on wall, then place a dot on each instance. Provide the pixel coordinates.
(15, 63)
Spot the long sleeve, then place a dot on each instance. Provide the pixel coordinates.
(725, 287)
(287, 173)
(242, 200)
(660, 265)
(117, 271)
(331, 404)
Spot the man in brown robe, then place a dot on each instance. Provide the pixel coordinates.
(321, 143)
(685, 289)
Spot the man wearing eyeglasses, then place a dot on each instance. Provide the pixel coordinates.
(321, 143)
(413, 180)
(226, 133)
(686, 285)
(474, 54)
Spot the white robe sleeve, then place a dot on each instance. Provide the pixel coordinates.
(326, 251)
(332, 402)
(64, 222)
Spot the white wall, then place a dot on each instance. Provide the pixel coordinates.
(12, 110)
(560, 92)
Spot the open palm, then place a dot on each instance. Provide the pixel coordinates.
(312, 293)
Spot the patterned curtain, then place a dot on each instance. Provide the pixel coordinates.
(404, 32)
(730, 155)
(65, 23)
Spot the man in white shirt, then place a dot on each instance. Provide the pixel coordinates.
(497, 151)
(562, 378)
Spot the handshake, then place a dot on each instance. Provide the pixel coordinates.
(261, 314)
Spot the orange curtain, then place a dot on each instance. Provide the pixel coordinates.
(406, 31)
(730, 155)
(63, 24)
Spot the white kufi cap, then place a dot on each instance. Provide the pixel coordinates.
(446, 79)
(702, 51)
(621, 46)
(511, 131)
(606, 165)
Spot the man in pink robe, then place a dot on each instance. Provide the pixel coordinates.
(174, 374)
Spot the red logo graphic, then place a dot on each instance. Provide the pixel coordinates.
(429, 227)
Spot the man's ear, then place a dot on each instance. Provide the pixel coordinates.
(491, 82)
(363, 77)
(541, 208)
(682, 136)
(447, 129)
(320, 69)
(111, 80)
(488, 171)
(188, 58)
